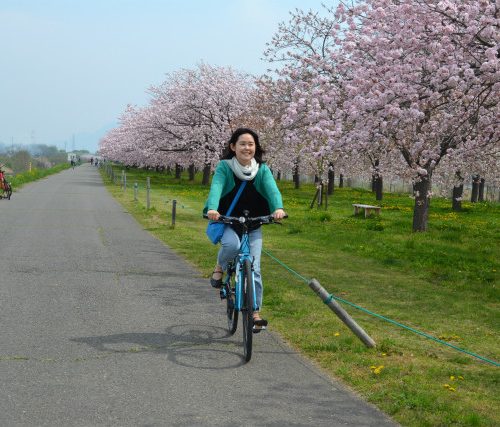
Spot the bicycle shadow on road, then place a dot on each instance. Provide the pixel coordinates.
(193, 346)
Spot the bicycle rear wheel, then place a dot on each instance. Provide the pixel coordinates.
(8, 191)
(232, 314)
(247, 312)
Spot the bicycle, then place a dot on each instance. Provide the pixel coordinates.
(238, 288)
(6, 192)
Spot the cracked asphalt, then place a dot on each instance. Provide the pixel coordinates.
(103, 325)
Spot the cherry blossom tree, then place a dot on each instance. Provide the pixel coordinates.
(189, 119)
(310, 51)
(428, 74)
(301, 48)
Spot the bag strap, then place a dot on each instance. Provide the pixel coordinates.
(238, 194)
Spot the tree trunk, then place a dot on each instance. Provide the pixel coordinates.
(206, 175)
(296, 176)
(341, 181)
(475, 188)
(481, 190)
(178, 170)
(421, 208)
(331, 179)
(191, 172)
(378, 187)
(278, 176)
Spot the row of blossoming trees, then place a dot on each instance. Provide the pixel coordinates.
(383, 88)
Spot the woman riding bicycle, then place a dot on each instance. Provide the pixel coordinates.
(242, 161)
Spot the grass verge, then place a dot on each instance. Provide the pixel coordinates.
(35, 174)
(443, 282)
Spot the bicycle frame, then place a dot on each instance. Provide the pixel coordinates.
(238, 262)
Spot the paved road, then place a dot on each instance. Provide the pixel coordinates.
(102, 324)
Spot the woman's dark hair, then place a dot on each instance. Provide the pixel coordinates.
(229, 154)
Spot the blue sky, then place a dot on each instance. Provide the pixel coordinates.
(68, 68)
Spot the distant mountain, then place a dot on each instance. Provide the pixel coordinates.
(82, 141)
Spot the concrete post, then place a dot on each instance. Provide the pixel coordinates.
(329, 300)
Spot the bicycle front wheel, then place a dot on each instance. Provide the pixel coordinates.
(247, 312)
(232, 314)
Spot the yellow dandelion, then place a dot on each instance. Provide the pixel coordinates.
(452, 389)
(336, 334)
(377, 369)
(460, 377)
(452, 377)
(446, 385)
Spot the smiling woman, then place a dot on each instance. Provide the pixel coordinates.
(242, 167)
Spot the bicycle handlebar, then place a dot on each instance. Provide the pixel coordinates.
(265, 219)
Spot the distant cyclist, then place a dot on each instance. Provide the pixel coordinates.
(2, 180)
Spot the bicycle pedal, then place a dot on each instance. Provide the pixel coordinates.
(256, 330)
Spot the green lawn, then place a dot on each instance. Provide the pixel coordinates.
(443, 282)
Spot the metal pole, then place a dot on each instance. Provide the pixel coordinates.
(341, 313)
(124, 182)
(174, 209)
(135, 191)
(148, 186)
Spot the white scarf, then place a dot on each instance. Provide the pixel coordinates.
(245, 173)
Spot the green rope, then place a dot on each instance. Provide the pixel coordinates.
(328, 299)
(331, 296)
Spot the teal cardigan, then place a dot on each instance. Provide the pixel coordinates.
(223, 183)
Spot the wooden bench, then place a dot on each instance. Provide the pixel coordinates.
(369, 209)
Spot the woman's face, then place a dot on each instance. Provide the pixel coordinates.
(244, 149)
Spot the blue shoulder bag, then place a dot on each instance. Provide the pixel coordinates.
(215, 229)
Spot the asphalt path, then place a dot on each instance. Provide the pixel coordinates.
(102, 324)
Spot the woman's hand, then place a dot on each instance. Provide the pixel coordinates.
(279, 214)
(213, 215)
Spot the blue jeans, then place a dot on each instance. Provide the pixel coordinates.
(230, 246)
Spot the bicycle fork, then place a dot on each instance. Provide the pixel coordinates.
(238, 301)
